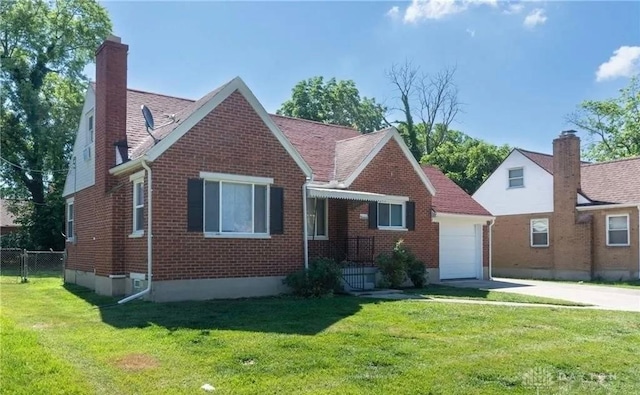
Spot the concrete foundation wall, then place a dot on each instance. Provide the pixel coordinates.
(218, 288)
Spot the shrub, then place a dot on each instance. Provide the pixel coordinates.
(392, 269)
(399, 265)
(322, 278)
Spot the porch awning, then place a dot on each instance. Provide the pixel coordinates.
(328, 193)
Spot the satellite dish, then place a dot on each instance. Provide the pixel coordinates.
(148, 117)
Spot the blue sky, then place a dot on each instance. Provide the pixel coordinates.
(521, 67)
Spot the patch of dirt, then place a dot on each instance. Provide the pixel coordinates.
(41, 325)
(136, 362)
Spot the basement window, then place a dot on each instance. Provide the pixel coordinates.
(516, 178)
(618, 230)
(540, 232)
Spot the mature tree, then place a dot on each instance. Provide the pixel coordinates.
(44, 47)
(465, 160)
(613, 125)
(428, 104)
(336, 102)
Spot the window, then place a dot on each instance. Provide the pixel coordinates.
(138, 206)
(90, 127)
(390, 215)
(317, 218)
(618, 230)
(235, 208)
(70, 218)
(540, 232)
(516, 178)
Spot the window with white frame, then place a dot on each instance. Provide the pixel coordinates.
(391, 215)
(317, 218)
(516, 177)
(90, 127)
(138, 206)
(618, 230)
(236, 207)
(540, 232)
(70, 219)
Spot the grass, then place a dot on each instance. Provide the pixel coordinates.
(69, 340)
(448, 292)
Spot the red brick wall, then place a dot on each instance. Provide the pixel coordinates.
(390, 172)
(231, 139)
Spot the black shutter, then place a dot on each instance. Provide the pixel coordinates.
(194, 204)
(276, 215)
(373, 215)
(411, 215)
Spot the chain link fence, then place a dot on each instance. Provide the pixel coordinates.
(20, 265)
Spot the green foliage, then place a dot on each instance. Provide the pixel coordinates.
(400, 264)
(335, 102)
(44, 47)
(322, 278)
(465, 160)
(613, 125)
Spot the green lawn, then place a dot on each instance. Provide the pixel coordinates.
(68, 340)
(447, 292)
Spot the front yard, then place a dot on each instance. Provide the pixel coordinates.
(68, 340)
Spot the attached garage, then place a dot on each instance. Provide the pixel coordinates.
(461, 221)
(460, 249)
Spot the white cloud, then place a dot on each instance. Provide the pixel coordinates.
(625, 62)
(515, 8)
(471, 32)
(535, 17)
(420, 10)
(394, 12)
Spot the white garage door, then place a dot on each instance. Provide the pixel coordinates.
(460, 250)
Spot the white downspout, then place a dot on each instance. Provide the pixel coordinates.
(639, 241)
(149, 239)
(304, 222)
(493, 221)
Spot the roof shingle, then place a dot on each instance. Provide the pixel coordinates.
(451, 199)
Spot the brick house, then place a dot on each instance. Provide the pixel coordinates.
(7, 219)
(559, 217)
(234, 198)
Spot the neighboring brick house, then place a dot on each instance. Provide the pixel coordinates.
(235, 198)
(7, 219)
(559, 217)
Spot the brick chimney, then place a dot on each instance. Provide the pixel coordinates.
(110, 107)
(566, 172)
(110, 129)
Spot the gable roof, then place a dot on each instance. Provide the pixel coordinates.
(352, 152)
(614, 181)
(316, 142)
(451, 199)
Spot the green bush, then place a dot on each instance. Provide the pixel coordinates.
(322, 278)
(399, 265)
(392, 269)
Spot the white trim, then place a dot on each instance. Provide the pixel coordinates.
(391, 133)
(403, 216)
(208, 176)
(70, 202)
(210, 105)
(117, 276)
(606, 206)
(136, 176)
(137, 181)
(137, 276)
(531, 233)
(509, 178)
(236, 235)
(482, 219)
(328, 193)
(628, 243)
(129, 165)
(136, 234)
(90, 133)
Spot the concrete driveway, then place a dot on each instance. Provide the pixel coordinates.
(604, 297)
